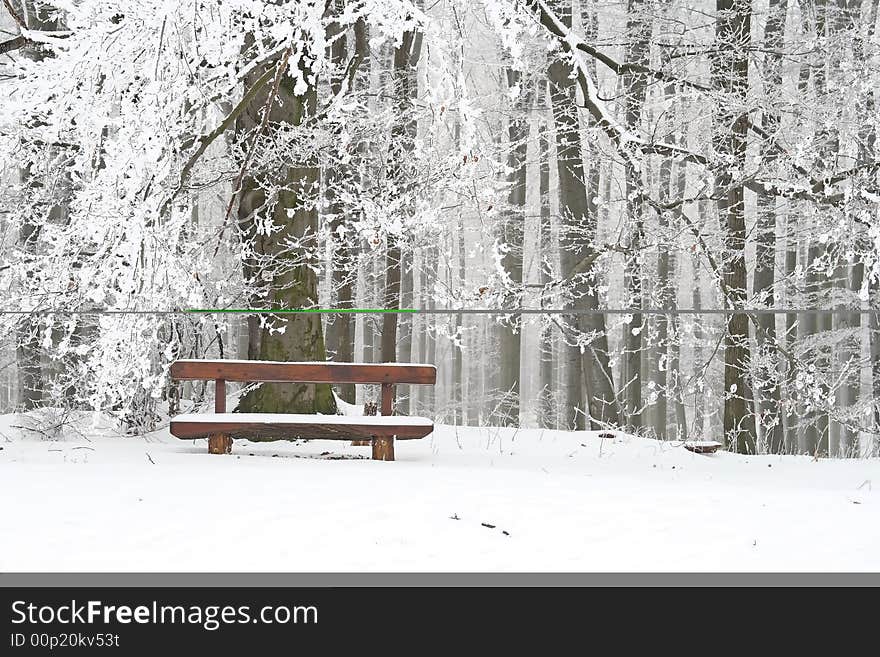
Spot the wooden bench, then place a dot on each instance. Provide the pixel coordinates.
(221, 427)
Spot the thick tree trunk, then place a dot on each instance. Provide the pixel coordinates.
(293, 283)
(730, 72)
(344, 241)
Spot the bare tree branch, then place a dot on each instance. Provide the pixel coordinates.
(15, 44)
(267, 109)
(207, 140)
(18, 19)
(631, 146)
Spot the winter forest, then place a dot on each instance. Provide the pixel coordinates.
(689, 189)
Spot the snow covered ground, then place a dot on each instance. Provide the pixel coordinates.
(462, 499)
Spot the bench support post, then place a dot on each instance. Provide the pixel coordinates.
(220, 396)
(219, 443)
(383, 448)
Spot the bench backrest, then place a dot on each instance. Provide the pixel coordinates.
(256, 370)
(280, 372)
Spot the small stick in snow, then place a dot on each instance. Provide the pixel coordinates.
(486, 524)
(150, 457)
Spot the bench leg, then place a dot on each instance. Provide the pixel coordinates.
(370, 408)
(219, 443)
(383, 449)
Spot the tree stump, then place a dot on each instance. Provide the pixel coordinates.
(219, 443)
(370, 408)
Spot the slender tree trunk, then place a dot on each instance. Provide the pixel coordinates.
(459, 413)
(874, 331)
(697, 332)
(422, 333)
(406, 57)
(798, 432)
(458, 369)
(405, 329)
(791, 332)
(767, 389)
(31, 375)
(844, 438)
(578, 235)
(673, 379)
(812, 436)
(546, 410)
(510, 329)
(869, 140)
(663, 293)
(431, 338)
(27, 353)
(635, 84)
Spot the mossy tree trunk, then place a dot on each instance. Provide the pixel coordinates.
(291, 283)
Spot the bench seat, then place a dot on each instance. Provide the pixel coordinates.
(286, 426)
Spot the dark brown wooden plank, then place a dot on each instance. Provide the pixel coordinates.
(220, 396)
(383, 446)
(252, 370)
(260, 431)
(387, 399)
